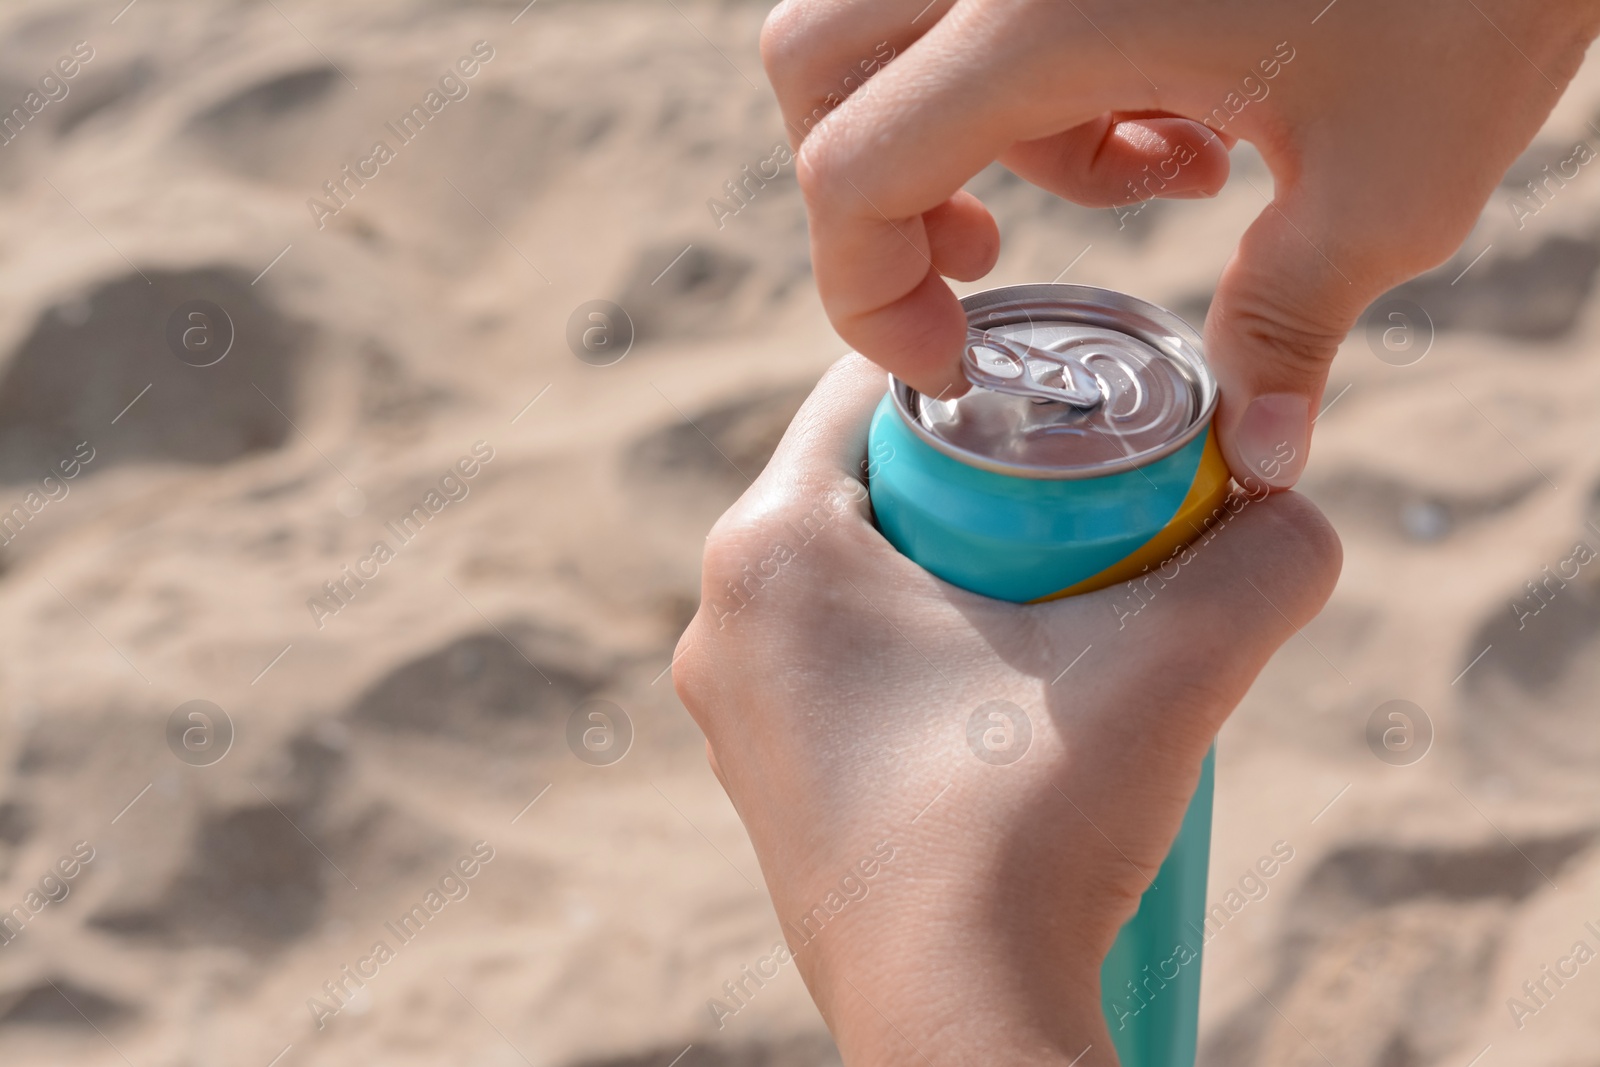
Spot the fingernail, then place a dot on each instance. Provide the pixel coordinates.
(1193, 194)
(1272, 438)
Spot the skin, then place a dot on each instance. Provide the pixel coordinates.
(835, 695)
(1386, 133)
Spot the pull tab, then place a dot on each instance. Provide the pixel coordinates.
(1006, 365)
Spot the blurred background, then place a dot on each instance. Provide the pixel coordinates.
(352, 501)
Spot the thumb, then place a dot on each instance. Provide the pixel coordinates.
(1283, 305)
(1197, 630)
(1188, 640)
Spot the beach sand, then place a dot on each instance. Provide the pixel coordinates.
(382, 349)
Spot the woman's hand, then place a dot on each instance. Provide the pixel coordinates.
(1386, 125)
(951, 871)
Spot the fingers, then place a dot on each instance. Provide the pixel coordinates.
(1268, 568)
(903, 145)
(812, 491)
(1202, 626)
(826, 442)
(963, 240)
(1112, 161)
(882, 176)
(1282, 307)
(818, 52)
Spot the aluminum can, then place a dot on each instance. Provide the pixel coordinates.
(1083, 456)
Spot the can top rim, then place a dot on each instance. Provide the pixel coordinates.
(1059, 302)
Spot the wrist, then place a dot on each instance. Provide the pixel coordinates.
(871, 1032)
(924, 998)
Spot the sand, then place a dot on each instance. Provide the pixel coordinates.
(382, 349)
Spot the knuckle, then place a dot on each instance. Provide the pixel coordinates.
(829, 171)
(783, 46)
(694, 676)
(796, 42)
(792, 530)
(736, 538)
(750, 588)
(817, 168)
(735, 567)
(1301, 346)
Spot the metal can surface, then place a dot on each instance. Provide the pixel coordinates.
(1022, 499)
(1082, 456)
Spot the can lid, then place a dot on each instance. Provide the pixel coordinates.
(1010, 365)
(1069, 381)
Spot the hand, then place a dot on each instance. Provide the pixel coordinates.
(1386, 126)
(936, 903)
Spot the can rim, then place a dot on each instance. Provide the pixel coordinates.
(1156, 326)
